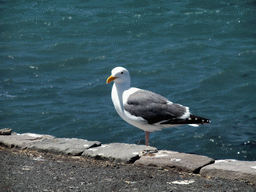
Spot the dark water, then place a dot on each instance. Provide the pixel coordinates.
(56, 55)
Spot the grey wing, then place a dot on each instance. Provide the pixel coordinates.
(153, 107)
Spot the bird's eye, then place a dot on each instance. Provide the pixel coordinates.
(122, 72)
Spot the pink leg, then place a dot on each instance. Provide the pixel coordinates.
(147, 137)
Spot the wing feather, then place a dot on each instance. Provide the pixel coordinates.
(153, 107)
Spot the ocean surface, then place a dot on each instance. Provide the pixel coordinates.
(55, 57)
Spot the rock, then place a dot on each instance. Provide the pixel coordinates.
(231, 169)
(66, 146)
(178, 161)
(121, 152)
(6, 131)
(48, 143)
(22, 141)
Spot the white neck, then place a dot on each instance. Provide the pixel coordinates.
(117, 95)
(121, 87)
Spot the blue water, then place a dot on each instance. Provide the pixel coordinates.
(55, 57)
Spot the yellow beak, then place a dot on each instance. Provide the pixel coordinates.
(110, 79)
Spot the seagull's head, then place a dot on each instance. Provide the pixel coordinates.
(119, 75)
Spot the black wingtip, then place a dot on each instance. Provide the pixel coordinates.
(192, 119)
(198, 120)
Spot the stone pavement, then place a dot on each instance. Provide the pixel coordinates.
(139, 155)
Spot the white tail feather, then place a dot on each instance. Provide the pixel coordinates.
(194, 125)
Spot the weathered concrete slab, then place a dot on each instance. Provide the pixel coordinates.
(231, 169)
(47, 143)
(121, 152)
(22, 140)
(178, 161)
(66, 146)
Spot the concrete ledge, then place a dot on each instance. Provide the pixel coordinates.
(74, 147)
(231, 169)
(22, 141)
(140, 155)
(121, 152)
(48, 143)
(178, 161)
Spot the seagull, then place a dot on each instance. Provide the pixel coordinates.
(147, 110)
